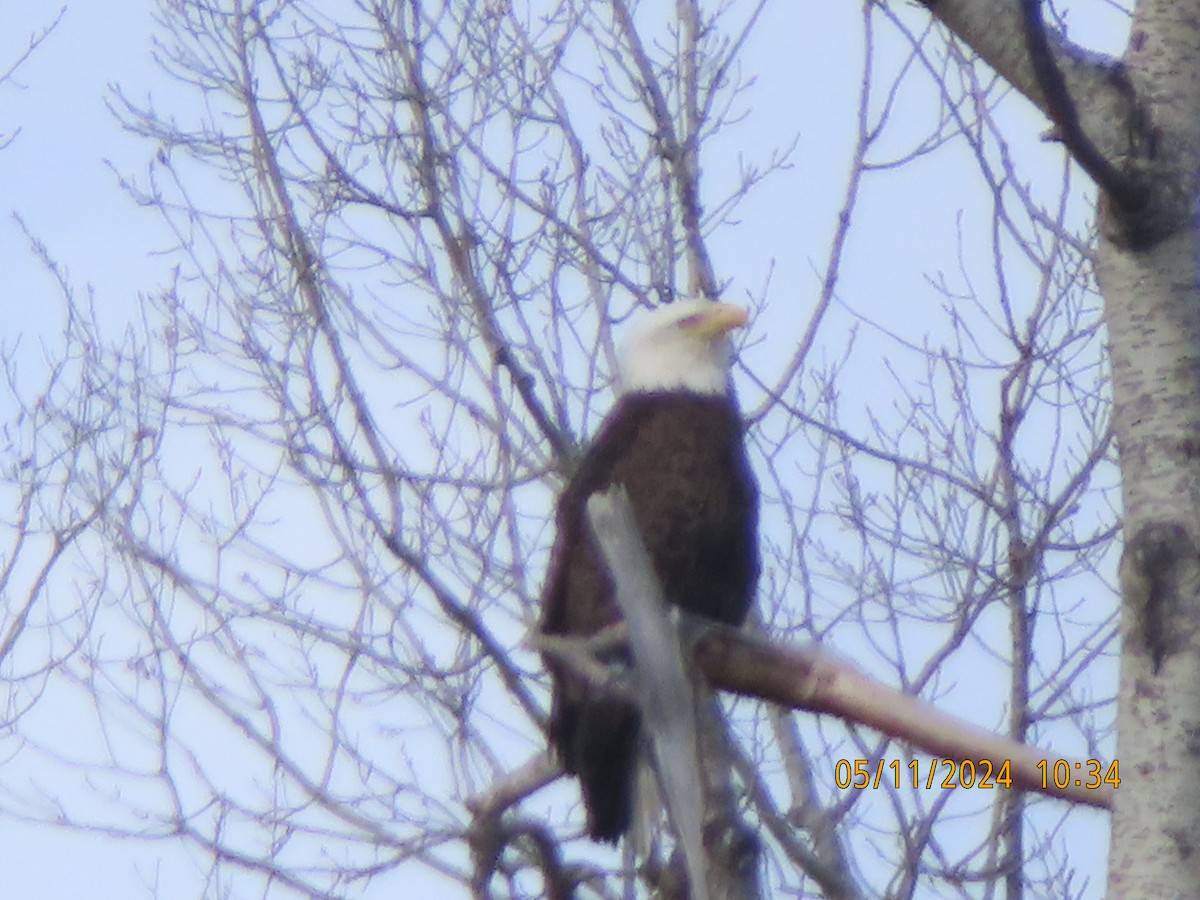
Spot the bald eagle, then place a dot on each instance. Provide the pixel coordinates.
(675, 440)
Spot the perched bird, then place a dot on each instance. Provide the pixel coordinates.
(675, 440)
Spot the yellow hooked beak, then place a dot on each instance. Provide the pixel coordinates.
(718, 319)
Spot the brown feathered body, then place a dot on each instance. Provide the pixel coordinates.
(682, 460)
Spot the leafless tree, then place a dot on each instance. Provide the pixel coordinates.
(313, 477)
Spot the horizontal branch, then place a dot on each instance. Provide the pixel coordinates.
(816, 679)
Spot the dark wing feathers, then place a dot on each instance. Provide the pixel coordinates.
(682, 460)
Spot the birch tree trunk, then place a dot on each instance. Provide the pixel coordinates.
(293, 519)
(1134, 125)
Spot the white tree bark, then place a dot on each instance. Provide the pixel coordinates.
(1143, 118)
(1153, 316)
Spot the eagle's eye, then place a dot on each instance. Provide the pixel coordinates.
(692, 320)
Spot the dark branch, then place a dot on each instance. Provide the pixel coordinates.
(1060, 107)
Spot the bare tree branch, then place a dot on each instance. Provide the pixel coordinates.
(815, 679)
(1061, 108)
(664, 690)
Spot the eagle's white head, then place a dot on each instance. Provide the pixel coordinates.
(681, 346)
